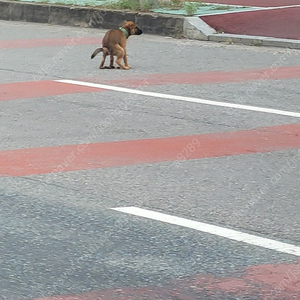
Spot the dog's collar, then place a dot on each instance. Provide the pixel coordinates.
(125, 32)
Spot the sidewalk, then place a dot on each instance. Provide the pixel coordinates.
(277, 22)
(265, 23)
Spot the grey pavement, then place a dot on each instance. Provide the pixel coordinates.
(59, 235)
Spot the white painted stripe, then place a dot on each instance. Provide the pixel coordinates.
(182, 98)
(212, 229)
(276, 7)
(250, 9)
(262, 7)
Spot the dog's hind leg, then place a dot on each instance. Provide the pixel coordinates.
(103, 60)
(111, 65)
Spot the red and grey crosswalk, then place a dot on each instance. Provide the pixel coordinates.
(43, 88)
(262, 281)
(53, 159)
(278, 281)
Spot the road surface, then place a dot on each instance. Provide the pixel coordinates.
(177, 179)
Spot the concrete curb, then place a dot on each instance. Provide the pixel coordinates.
(195, 28)
(254, 40)
(151, 23)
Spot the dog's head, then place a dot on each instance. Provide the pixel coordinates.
(132, 28)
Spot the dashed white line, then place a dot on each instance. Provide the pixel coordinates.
(183, 98)
(213, 229)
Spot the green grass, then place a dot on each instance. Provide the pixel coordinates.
(191, 8)
(135, 5)
(221, 7)
(180, 4)
(124, 4)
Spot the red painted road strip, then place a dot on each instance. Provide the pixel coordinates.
(42, 160)
(34, 89)
(268, 282)
(33, 43)
(274, 73)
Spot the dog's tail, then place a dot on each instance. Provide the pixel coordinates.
(98, 50)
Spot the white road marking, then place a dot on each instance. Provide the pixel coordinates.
(182, 98)
(250, 9)
(276, 7)
(212, 229)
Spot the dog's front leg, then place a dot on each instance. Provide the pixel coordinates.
(120, 55)
(119, 62)
(125, 59)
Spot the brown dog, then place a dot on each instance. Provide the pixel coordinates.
(114, 44)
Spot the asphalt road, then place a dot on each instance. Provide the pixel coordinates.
(70, 153)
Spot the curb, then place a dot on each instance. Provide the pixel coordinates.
(195, 28)
(152, 23)
(254, 40)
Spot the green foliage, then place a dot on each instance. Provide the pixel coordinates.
(191, 8)
(146, 5)
(221, 7)
(137, 5)
(176, 3)
(124, 4)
